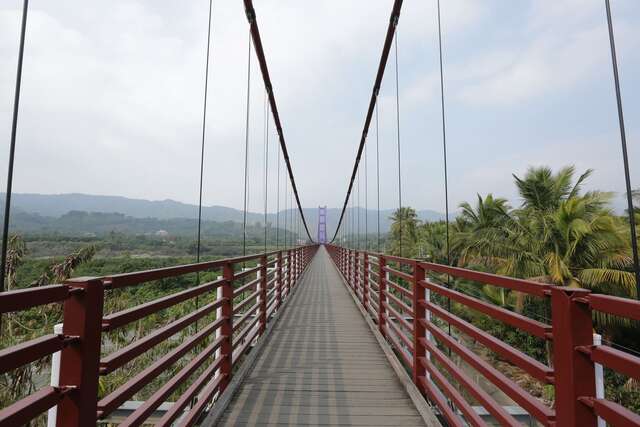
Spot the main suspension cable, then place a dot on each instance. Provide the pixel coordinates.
(625, 157)
(12, 146)
(393, 23)
(257, 42)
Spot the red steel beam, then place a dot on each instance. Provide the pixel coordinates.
(23, 299)
(257, 43)
(23, 411)
(112, 401)
(391, 29)
(617, 306)
(129, 315)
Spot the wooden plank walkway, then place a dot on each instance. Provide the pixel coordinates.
(322, 365)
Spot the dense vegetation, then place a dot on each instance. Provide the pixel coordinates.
(559, 235)
(45, 258)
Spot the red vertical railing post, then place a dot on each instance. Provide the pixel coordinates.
(297, 264)
(354, 271)
(418, 328)
(263, 294)
(382, 288)
(279, 280)
(289, 257)
(80, 361)
(573, 369)
(348, 261)
(365, 283)
(226, 329)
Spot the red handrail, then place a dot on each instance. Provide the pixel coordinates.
(269, 283)
(404, 290)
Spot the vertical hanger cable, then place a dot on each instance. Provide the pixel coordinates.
(12, 146)
(246, 153)
(378, 175)
(266, 166)
(625, 157)
(398, 136)
(444, 153)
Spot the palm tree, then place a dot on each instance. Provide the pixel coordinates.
(404, 234)
(558, 235)
(542, 190)
(432, 241)
(481, 231)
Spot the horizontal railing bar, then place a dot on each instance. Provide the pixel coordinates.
(271, 282)
(246, 301)
(135, 278)
(24, 410)
(526, 286)
(613, 413)
(398, 316)
(407, 293)
(241, 335)
(242, 274)
(272, 262)
(32, 350)
(406, 276)
(527, 363)
(617, 306)
(113, 400)
(243, 288)
(238, 352)
(118, 358)
(372, 311)
(127, 279)
(396, 344)
(140, 415)
(435, 395)
(401, 260)
(534, 327)
(185, 398)
(494, 408)
(271, 307)
(617, 360)
(509, 387)
(124, 317)
(450, 391)
(24, 299)
(203, 399)
(403, 306)
(401, 335)
(238, 323)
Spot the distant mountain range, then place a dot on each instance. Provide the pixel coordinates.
(58, 205)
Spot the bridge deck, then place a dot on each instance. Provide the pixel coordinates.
(322, 365)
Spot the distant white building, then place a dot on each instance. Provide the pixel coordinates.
(162, 233)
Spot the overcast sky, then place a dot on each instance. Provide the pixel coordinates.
(112, 96)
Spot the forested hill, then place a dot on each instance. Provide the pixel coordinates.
(59, 212)
(80, 223)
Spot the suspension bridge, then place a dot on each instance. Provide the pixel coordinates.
(320, 332)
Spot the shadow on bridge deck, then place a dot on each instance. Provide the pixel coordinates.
(322, 365)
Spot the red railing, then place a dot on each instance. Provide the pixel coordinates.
(400, 295)
(244, 302)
